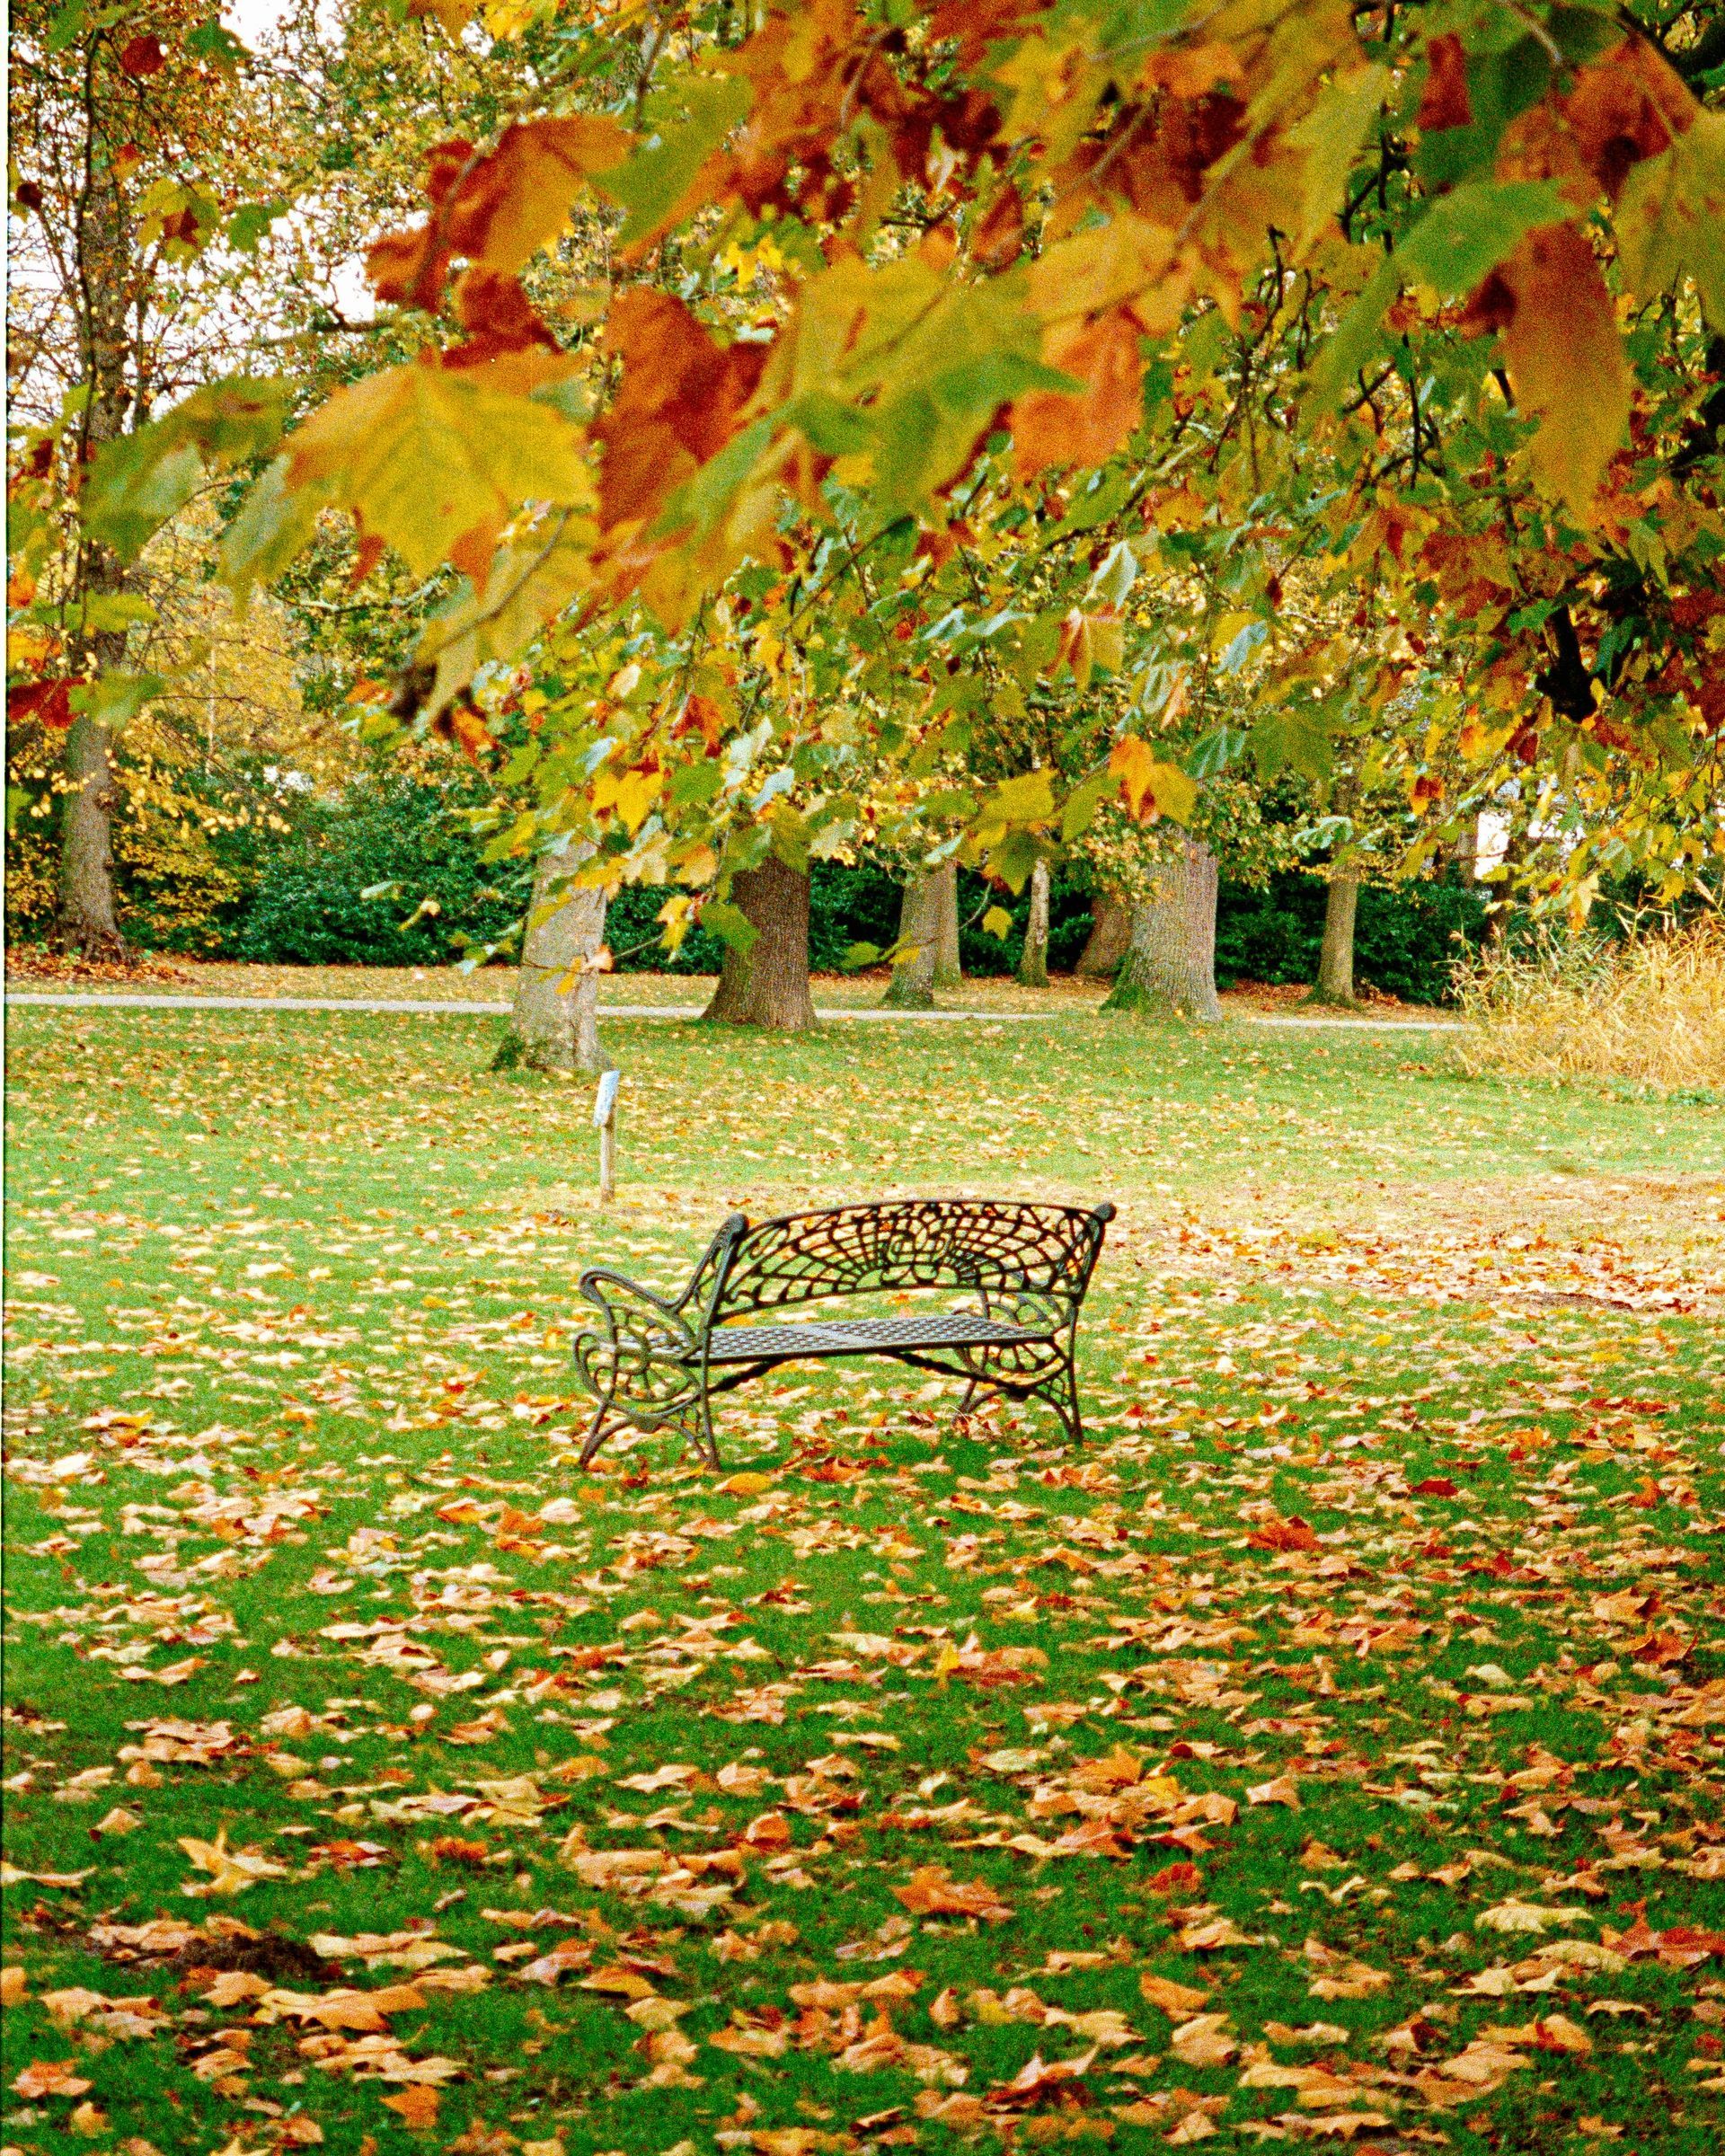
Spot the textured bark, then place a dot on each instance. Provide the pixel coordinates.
(1170, 964)
(1033, 967)
(86, 923)
(110, 370)
(1110, 931)
(1336, 960)
(768, 985)
(554, 1023)
(947, 970)
(912, 985)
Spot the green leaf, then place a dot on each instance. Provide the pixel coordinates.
(423, 455)
(211, 41)
(274, 522)
(1670, 216)
(138, 482)
(1082, 802)
(1292, 737)
(1028, 798)
(1242, 645)
(729, 923)
(1469, 232)
(652, 184)
(66, 27)
(1212, 755)
(116, 610)
(1113, 582)
(1013, 857)
(145, 477)
(251, 222)
(1331, 134)
(860, 954)
(112, 699)
(695, 782)
(833, 426)
(1460, 238)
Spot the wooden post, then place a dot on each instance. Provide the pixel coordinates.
(605, 1117)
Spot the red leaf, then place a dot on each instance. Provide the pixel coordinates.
(49, 2077)
(143, 56)
(1626, 106)
(1294, 1534)
(1435, 1486)
(48, 702)
(676, 406)
(1051, 428)
(1445, 102)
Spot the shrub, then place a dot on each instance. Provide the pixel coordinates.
(309, 906)
(855, 904)
(1649, 1009)
(1406, 936)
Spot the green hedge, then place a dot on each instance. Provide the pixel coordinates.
(307, 906)
(1406, 936)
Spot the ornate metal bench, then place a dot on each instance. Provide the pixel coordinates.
(653, 1363)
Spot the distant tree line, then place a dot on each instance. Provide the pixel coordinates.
(388, 874)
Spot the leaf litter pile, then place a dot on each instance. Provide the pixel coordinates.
(1331, 1751)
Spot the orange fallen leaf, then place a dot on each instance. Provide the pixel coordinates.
(416, 2107)
(1182, 1999)
(49, 2077)
(932, 1890)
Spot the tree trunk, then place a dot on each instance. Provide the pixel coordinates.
(768, 985)
(1170, 964)
(912, 985)
(85, 924)
(1336, 960)
(110, 370)
(554, 1025)
(1110, 931)
(1033, 967)
(947, 970)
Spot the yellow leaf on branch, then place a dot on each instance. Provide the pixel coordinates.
(1150, 783)
(424, 454)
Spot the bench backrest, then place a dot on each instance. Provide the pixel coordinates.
(981, 1244)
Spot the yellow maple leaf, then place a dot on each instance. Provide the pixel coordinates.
(423, 455)
(1147, 781)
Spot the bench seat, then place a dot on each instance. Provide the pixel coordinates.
(858, 1335)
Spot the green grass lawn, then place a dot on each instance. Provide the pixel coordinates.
(1331, 1750)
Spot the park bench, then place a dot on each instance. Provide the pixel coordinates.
(655, 1362)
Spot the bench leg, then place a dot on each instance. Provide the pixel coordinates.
(1060, 1392)
(694, 1424)
(601, 1426)
(702, 1438)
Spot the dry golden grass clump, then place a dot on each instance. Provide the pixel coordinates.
(1651, 1010)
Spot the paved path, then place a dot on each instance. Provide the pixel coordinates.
(97, 1000)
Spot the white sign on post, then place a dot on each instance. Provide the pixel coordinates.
(605, 1117)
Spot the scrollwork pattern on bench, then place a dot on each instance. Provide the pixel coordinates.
(655, 1362)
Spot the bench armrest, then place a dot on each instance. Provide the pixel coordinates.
(642, 1355)
(595, 1282)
